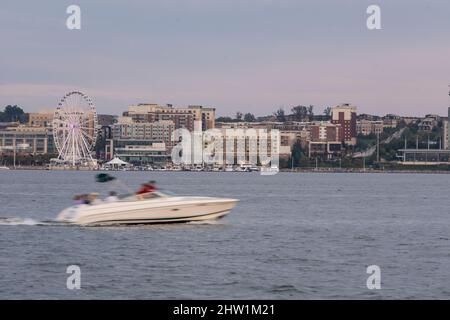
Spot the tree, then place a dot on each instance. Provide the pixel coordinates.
(239, 116)
(280, 115)
(249, 117)
(310, 112)
(224, 119)
(297, 153)
(13, 114)
(299, 113)
(327, 111)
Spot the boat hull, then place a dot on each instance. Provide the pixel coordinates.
(152, 211)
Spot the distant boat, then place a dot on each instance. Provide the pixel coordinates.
(4, 168)
(270, 170)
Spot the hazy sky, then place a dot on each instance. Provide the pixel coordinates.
(248, 55)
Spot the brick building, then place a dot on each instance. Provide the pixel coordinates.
(345, 115)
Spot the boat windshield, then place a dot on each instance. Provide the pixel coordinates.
(144, 196)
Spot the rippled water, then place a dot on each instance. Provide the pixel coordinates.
(292, 236)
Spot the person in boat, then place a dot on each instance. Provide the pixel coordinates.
(146, 190)
(84, 198)
(78, 199)
(148, 187)
(93, 199)
(112, 197)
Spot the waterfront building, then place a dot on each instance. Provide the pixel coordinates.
(325, 139)
(345, 115)
(244, 146)
(158, 131)
(424, 156)
(181, 117)
(27, 140)
(138, 152)
(319, 137)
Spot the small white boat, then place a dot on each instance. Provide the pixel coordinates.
(270, 170)
(157, 208)
(4, 168)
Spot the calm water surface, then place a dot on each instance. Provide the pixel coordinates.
(292, 236)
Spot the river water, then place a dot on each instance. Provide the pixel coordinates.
(292, 236)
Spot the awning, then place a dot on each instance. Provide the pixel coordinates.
(117, 161)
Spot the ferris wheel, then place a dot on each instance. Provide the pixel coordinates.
(75, 129)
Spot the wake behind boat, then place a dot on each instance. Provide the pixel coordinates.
(152, 207)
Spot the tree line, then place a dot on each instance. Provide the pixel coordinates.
(298, 113)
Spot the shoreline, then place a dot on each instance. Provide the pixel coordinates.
(306, 170)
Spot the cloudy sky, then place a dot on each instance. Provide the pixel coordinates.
(248, 55)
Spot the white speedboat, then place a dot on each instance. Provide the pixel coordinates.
(159, 208)
(4, 168)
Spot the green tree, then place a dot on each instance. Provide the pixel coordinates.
(327, 111)
(249, 117)
(224, 119)
(280, 115)
(299, 113)
(297, 153)
(13, 114)
(310, 112)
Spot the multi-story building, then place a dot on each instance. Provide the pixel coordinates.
(366, 127)
(159, 131)
(428, 124)
(106, 119)
(245, 146)
(141, 152)
(27, 140)
(325, 139)
(181, 117)
(137, 151)
(390, 123)
(6, 125)
(391, 120)
(140, 143)
(365, 116)
(345, 115)
(41, 119)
